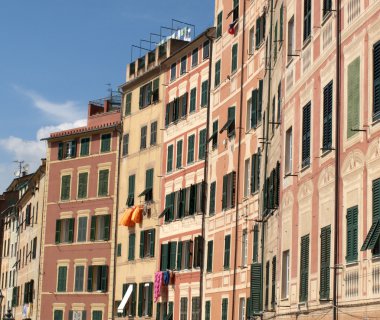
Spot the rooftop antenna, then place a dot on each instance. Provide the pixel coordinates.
(18, 172)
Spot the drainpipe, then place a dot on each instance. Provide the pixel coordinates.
(266, 145)
(239, 161)
(120, 133)
(205, 178)
(337, 163)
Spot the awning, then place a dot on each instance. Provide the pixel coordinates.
(123, 303)
(145, 192)
(372, 237)
(215, 133)
(163, 213)
(226, 126)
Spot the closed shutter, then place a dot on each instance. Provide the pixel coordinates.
(142, 239)
(93, 228)
(131, 247)
(133, 304)
(169, 165)
(71, 230)
(193, 99)
(324, 291)
(353, 97)
(65, 187)
(182, 203)
(193, 199)
(104, 278)
(204, 95)
(208, 310)
(140, 305)
(212, 198)
(255, 243)
(105, 143)
(179, 256)
(274, 264)
(304, 272)
(34, 248)
(217, 73)
(125, 144)
(376, 81)
(224, 309)
(173, 255)
(58, 231)
(219, 25)
(281, 24)
(233, 188)
(90, 276)
(150, 299)
(327, 116)
(62, 274)
(131, 190)
(58, 315)
(202, 144)
(185, 97)
(82, 185)
(227, 246)
(210, 249)
(260, 102)
(190, 149)
(234, 57)
(152, 239)
(256, 288)
(224, 196)
(306, 134)
(254, 100)
(179, 154)
(128, 103)
(278, 184)
(164, 256)
(60, 151)
(158, 311)
(307, 19)
(253, 173)
(103, 183)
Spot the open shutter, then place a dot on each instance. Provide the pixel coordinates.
(60, 151)
(131, 247)
(210, 249)
(224, 196)
(173, 254)
(212, 198)
(274, 264)
(73, 149)
(179, 256)
(255, 243)
(253, 173)
(93, 228)
(256, 288)
(233, 189)
(71, 230)
(134, 295)
(104, 279)
(184, 104)
(107, 223)
(152, 242)
(58, 231)
(227, 245)
(164, 256)
(353, 97)
(376, 81)
(140, 311)
(150, 299)
(260, 101)
(254, 101)
(90, 276)
(142, 234)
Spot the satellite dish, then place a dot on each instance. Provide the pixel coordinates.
(25, 168)
(17, 173)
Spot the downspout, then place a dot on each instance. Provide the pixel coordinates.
(120, 133)
(240, 128)
(266, 145)
(205, 178)
(337, 163)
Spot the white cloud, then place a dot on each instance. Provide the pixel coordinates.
(67, 111)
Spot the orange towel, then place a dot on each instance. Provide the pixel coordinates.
(126, 218)
(137, 215)
(129, 222)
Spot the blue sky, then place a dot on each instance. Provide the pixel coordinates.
(55, 55)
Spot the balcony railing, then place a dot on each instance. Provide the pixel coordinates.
(353, 10)
(352, 283)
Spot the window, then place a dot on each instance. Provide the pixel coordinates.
(306, 19)
(217, 73)
(128, 103)
(306, 134)
(153, 133)
(125, 144)
(103, 183)
(275, 43)
(230, 124)
(352, 234)
(376, 81)
(97, 278)
(190, 149)
(260, 30)
(147, 243)
(353, 97)
(228, 199)
(210, 250)
(100, 228)
(304, 272)
(324, 291)
(131, 190)
(105, 144)
(79, 278)
(58, 314)
(62, 277)
(118, 250)
(179, 154)
(227, 247)
(184, 260)
(145, 299)
(288, 150)
(255, 173)
(173, 70)
(246, 178)
(219, 25)
(291, 51)
(82, 229)
(327, 117)
(251, 43)
(34, 254)
(67, 150)
(225, 309)
(208, 310)
(194, 57)
(144, 130)
(285, 275)
(64, 231)
(176, 109)
(97, 315)
(202, 144)
(273, 299)
(82, 185)
(206, 49)
(65, 187)
(327, 6)
(267, 270)
(130, 307)
(195, 307)
(255, 254)
(145, 95)
(214, 136)
(244, 248)
(148, 192)
(28, 291)
(183, 313)
(169, 160)
(193, 99)
(212, 198)
(156, 90)
(281, 35)
(183, 65)
(131, 246)
(234, 58)
(84, 147)
(235, 15)
(204, 94)
(242, 309)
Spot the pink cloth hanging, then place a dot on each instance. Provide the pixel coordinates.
(157, 285)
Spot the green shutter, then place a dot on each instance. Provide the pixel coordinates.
(164, 256)
(255, 243)
(324, 291)
(274, 264)
(219, 25)
(90, 276)
(58, 314)
(152, 233)
(376, 81)
(352, 234)
(173, 255)
(107, 227)
(169, 165)
(227, 248)
(93, 228)
(105, 143)
(254, 102)
(131, 246)
(281, 37)
(327, 116)
(134, 294)
(71, 230)
(376, 200)
(150, 299)
(158, 311)
(62, 275)
(82, 185)
(193, 99)
(304, 257)
(217, 73)
(212, 198)
(179, 154)
(103, 183)
(140, 309)
(149, 179)
(179, 256)
(193, 199)
(234, 57)
(225, 309)
(224, 196)
(210, 249)
(84, 147)
(190, 149)
(58, 231)
(142, 253)
(128, 103)
(65, 187)
(306, 134)
(353, 97)
(208, 310)
(204, 94)
(256, 288)
(104, 278)
(60, 151)
(202, 144)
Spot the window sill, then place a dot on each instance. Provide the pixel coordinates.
(352, 263)
(306, 42)
(326, 17)
(325, 153)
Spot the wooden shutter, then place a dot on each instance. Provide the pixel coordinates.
(93, 228)
(142, 253)
(327, 116)
(184, 104)
(233, 188)
(204, 94)
(131, 246)
(167, 115)
(376, 81)
(65, 187)
(164, 256)
(217, 73)
(179, 154)
(256, 288)
(173, 255)
(193, 99)
(140, 305)
(131, 190)
(227, 246)
(150, 299)
(60, 151)
(255, 243)
(202, 144)
(306, 134)
(104, 278)
(219, 25)
(71, 230)
(58, 231)
(156, 90)
(224, 308)
(278, 184)
(258, 40)
(304, 280)
(215, 125)
(234, 57)
(224, 197)
(152, 233)
(190, 149)
(376, 200)
(105, 143)
(179, 256)
(254, 101)
(208, 310)
(103, 182)
(212, 198)
(353, 97)
(82, 185)
(169, 164)
(274, 264)
(324, 291)
(62, 274)
(107, 227)
(193, 199)
(210, 249)
(90, 276)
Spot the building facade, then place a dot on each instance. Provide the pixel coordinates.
(80, 217)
